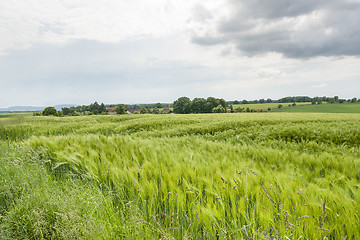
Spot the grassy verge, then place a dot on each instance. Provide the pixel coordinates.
(43, 200)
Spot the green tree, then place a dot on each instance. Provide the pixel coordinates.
(50, 111)
(143, 110)
(102, 108)
(280, 106)
(155, 110)
(198, 105)
(219, 109)
(158, 105)
(182, 105)
(120, 109)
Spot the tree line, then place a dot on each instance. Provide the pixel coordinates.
(295, 99)
(184, 105)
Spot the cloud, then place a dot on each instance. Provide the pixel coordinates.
(295, 29)
(25, 23)
(322, 85)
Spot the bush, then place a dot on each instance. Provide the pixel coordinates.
(50, 111)
(219, 109)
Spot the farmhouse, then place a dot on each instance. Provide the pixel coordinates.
(111, 110)
(167, 111)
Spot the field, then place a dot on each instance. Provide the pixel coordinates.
(326, 108)
(265, 106)
(197, 176)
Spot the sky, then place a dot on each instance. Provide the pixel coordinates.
(140, 51)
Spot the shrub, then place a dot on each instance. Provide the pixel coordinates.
(50, 111)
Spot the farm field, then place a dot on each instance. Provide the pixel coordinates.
(265, 106)
(197, 176)
(326, 108)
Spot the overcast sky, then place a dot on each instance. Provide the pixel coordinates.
(140, 51)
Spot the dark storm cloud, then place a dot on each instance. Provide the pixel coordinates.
(296, 29)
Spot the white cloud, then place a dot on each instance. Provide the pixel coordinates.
(66, 51)
(25, 22)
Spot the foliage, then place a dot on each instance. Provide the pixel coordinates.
(219, 109)
(120, 109)
(182, 105)
(50, 111)
(143, 110)
(155, 110)
(197, 105)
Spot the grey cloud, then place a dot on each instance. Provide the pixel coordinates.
(296, 29)
(85, 71)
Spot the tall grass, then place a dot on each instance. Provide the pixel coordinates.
(228, 176)
(38, 202)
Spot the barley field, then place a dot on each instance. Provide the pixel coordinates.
(196, 176)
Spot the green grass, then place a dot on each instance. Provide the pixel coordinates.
(199, 176)
(265, 106)
(41, 200)
(14, 115)
(325, 108)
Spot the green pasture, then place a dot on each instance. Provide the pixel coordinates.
(326, 108)
(198, 176)
(265, 106)
(14, 115)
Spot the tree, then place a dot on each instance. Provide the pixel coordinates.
(219, 109)
(158, 105)
(94, 108)
(143, 110)
(102, 108)
(50, 111)
(268, 100)
(156, 110)
(198, 105)
(354, 100)
(68, 111)
(262, 100)
(280, 106)
(182, 105)
(120, 109)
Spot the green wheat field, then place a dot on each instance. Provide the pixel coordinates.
(209, 176)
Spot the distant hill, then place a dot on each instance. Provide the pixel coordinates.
(32, 109)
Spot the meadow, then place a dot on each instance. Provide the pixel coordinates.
(196, 176)
(265, 106)
(326, 108)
